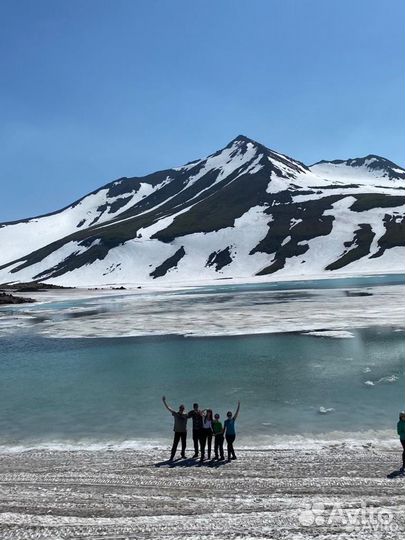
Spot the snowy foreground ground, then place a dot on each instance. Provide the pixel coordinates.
(338, 491)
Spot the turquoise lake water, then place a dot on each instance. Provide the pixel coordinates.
(313, 284)
(109, 390)
(66, 381)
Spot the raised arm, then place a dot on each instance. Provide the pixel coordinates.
(237, 411)
(166, 405)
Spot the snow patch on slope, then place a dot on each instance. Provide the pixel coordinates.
(227, 162)
(324, 250)
(138, 258)
(16, 240)
(343, 173)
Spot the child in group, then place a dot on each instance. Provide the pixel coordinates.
(230, 434)
(219, 438)
(206, 425)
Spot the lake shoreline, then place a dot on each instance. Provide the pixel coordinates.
(136, 494)
(48, 292)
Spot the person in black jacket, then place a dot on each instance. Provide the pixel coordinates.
(206, 433)
(196, 415)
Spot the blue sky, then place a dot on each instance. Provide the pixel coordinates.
(91, 90)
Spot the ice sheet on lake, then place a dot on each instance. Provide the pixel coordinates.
(327, 313)
(324, 410)
(331, 333)
(389, 379)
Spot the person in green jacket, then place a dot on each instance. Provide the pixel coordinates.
(219, 438)
(401, 433)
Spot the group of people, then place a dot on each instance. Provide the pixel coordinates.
(206, 426)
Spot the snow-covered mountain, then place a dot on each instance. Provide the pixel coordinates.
(244, 211)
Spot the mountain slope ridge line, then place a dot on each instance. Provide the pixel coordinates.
(251, 209)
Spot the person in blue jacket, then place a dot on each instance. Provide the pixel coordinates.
(401, 433)
(230, 433)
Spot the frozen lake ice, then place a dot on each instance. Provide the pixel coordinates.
(307, 361)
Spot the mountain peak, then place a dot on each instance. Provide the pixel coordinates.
(372, 162)
(242, 139)
(245, 210)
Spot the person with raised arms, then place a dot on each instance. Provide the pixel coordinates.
(179, 428)
(230, 433)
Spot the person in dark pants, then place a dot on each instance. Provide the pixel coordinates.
(180, 429)
(196, 415)
(206, 433)
(401, 433)
(219, 437)
(230, 433)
